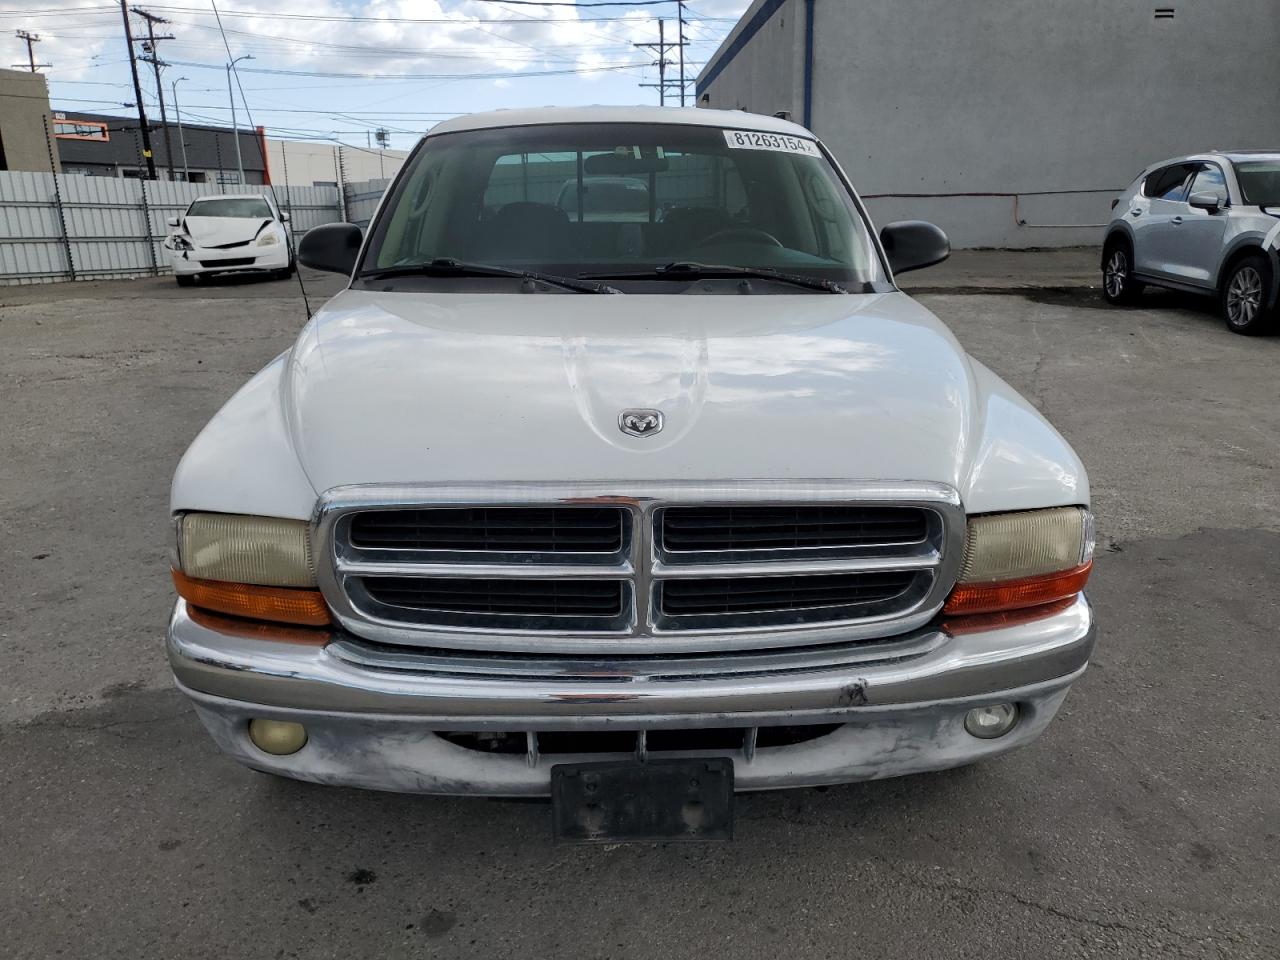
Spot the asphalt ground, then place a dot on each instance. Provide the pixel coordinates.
(1145, 823)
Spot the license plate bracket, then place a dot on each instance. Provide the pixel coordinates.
(653, 801)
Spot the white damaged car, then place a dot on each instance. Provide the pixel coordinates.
(631, 511)
(233, 233)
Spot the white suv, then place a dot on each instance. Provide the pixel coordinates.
(1208, 224)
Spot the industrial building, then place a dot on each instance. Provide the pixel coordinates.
(100, 145)
(1010, 123)
(24, 108)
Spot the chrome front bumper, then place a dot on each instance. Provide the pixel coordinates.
(372, 713)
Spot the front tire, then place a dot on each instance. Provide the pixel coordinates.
(1244, 297)
(1118, 284)
(185, 279)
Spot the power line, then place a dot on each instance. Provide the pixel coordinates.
(504, 75)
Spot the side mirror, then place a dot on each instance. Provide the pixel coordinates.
(173, 221)
(1211, 202)
(285, 218)
(333, 247)
(914, 244)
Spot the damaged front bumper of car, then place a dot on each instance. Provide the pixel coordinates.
(187, 258)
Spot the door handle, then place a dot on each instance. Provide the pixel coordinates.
(1176, 220)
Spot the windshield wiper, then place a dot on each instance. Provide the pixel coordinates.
(449, 267)
(692, 270)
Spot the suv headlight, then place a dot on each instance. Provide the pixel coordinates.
(268, 239)
(180, 243)
(257, 567)
(1025, 559)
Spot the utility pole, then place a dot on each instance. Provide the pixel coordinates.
(680, 17)
(182, 139)
(235, 127)
(30, 39)
(661, 48)
(137, 93)
(149, 45)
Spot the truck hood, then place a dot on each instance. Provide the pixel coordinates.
(414, 387)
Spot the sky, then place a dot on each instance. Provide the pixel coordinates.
(329, 70)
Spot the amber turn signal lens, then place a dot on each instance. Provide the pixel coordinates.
(278, 604)
(968, 598)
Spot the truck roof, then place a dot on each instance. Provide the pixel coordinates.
(730, 119)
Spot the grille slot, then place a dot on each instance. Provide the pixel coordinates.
(786, 599)
(229, 262)
(492, 534)
(533, 530)
(836, 528)
(534, 744)
(500, 597)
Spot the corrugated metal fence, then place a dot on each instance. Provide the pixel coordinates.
(362, 199)
(73, 227)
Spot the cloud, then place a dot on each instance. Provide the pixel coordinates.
(474, 37)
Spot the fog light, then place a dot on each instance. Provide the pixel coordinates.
(991, 722)
(279, 737)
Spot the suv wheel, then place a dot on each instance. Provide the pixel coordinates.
(1244, 296)
(1118, 284)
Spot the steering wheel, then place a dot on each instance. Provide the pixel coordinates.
(745, 234)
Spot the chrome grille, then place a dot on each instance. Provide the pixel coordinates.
(673, 567)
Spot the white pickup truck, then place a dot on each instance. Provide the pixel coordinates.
(630, 512)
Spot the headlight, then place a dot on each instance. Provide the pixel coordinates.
(256, 567)
(1025, 559)
(181, 243)
(240, 549)
(268, 239)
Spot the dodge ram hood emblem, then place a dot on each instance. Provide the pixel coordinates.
(640, 423)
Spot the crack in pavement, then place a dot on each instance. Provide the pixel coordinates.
(978, 893)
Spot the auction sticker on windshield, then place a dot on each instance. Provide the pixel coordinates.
(752, 140)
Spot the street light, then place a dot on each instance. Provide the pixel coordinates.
(234, 127)
(182, 140)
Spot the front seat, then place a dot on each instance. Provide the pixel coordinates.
(527, 231)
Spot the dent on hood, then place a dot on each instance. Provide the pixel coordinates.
(1020, 462)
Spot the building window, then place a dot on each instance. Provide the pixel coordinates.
(80, 130)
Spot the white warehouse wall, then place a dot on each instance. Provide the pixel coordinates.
(1013, 97)
(307, 164)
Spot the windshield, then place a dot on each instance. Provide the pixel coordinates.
(1260, 182)
(247, 207)
(623, 199)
